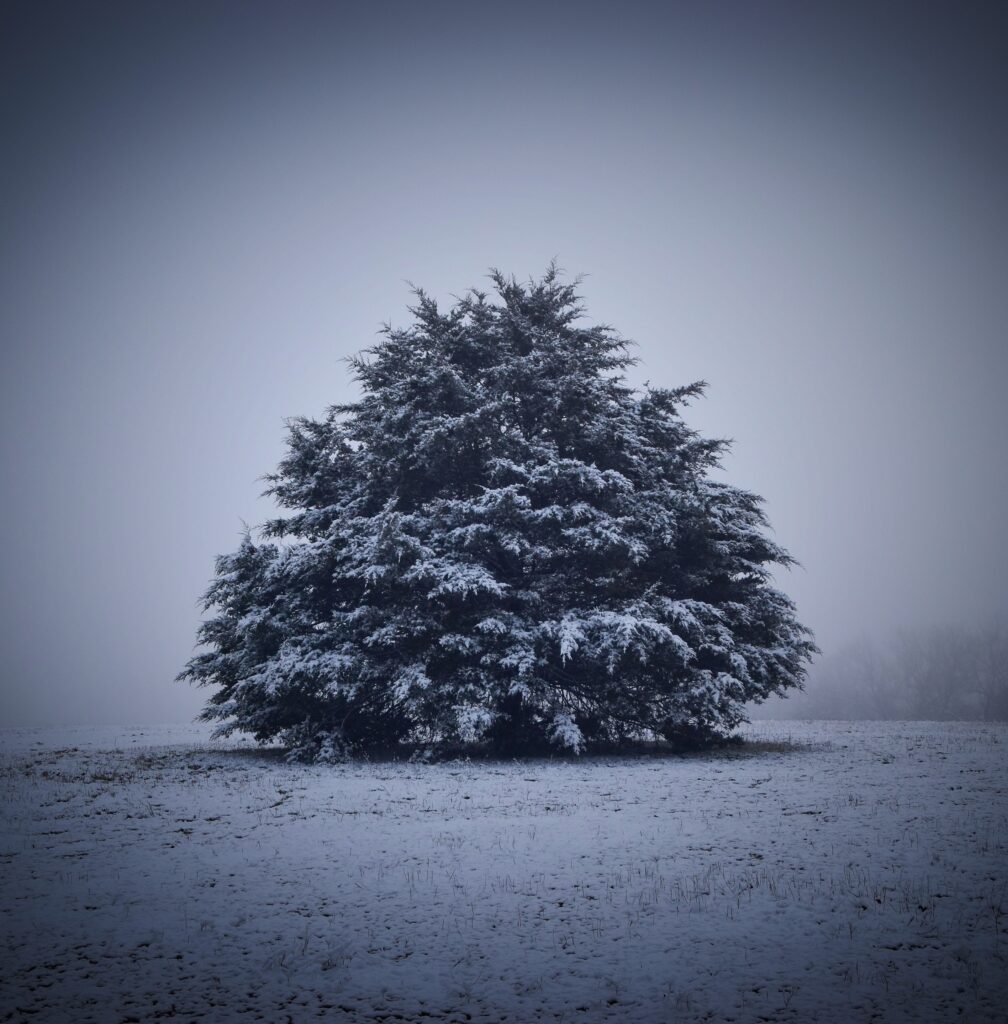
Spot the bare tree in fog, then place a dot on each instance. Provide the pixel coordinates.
(939, 673)
(990, 668)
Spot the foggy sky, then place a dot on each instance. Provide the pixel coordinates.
(206, 207)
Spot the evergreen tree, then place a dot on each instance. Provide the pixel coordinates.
(500, 541)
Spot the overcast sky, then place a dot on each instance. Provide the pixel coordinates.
(205, 207)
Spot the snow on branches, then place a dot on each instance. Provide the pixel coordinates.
(503, 542)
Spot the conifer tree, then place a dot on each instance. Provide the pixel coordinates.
(500, 542)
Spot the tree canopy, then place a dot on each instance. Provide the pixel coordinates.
(501, 541)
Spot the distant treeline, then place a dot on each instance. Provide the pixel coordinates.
(939, 674)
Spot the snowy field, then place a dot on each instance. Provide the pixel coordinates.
(834, 872)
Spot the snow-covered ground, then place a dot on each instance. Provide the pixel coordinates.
(835, 872)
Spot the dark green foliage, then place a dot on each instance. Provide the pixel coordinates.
(500, 542)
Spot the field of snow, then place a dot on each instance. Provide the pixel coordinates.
(831, 872)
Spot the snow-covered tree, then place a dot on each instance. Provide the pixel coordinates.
(501, 541)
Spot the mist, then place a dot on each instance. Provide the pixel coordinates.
(206, 209)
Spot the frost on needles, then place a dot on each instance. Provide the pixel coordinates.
(499, 543)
